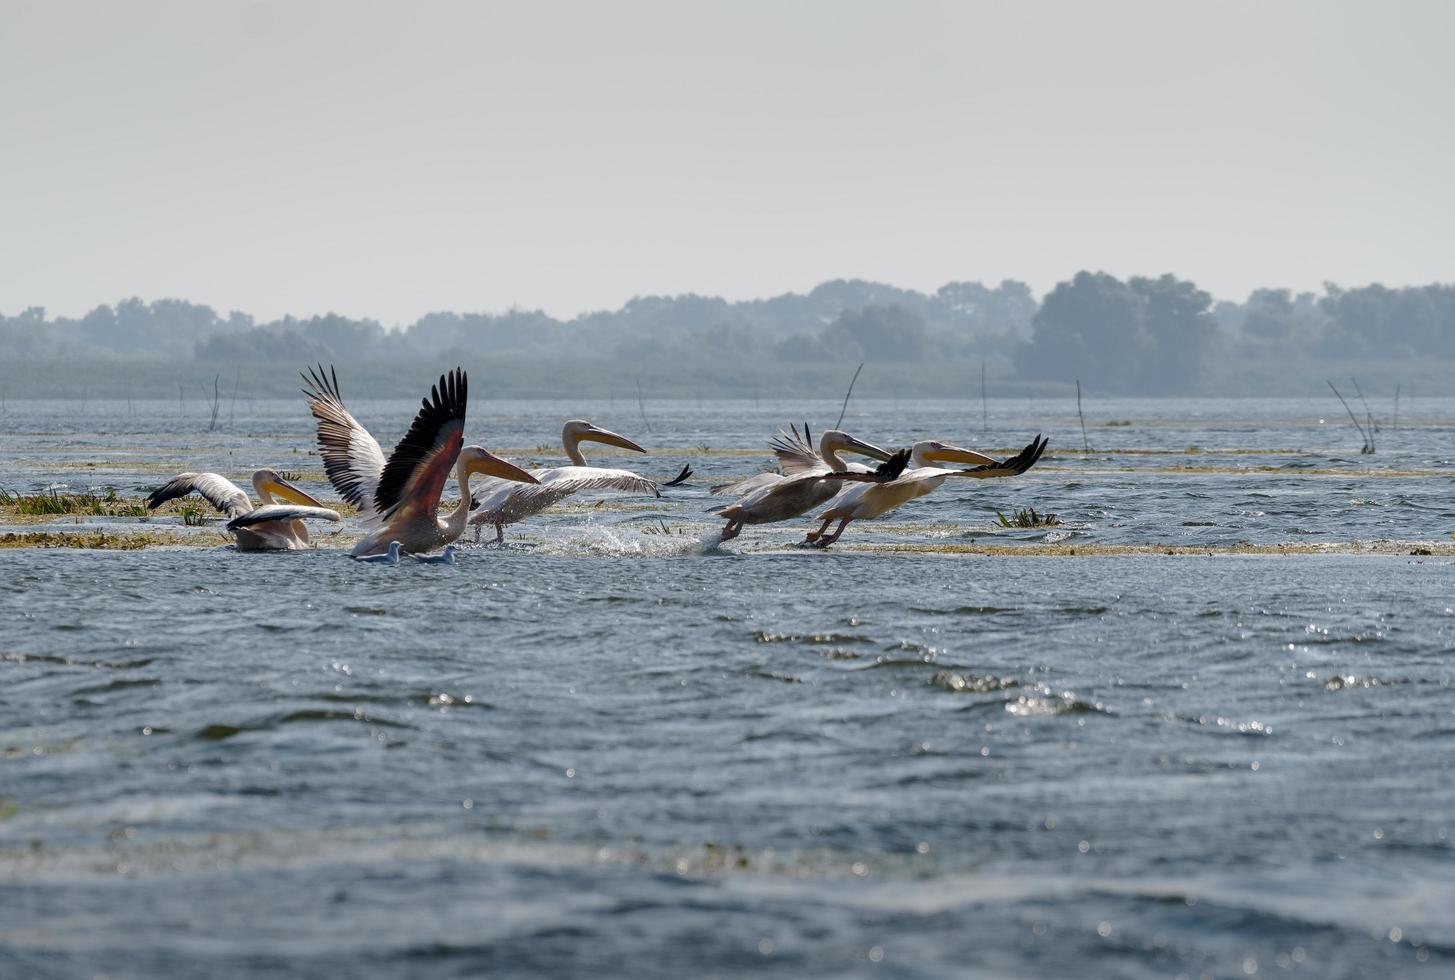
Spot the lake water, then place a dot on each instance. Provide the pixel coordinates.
(941, 748)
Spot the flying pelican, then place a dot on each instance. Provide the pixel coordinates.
(809, 479)
(399, 499)
(502, 503)
(267, 527)
(864, 502)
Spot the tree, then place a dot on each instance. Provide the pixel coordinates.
(1092, 328)
(1182, 330)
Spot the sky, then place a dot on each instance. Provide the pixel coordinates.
(386, 160)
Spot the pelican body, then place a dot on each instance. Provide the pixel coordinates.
(809, 479)
(501, 503)
(920, 478)
(399, 498)
(270, 526)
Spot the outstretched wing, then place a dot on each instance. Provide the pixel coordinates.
(795, 452)
(575, 479)
(748, 485)
(886, 472)
(218, 491)
(351, 457)
(417, 470)
(1014, 466)
(282, 512)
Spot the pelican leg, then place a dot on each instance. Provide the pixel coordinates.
(500, 534)
(815, 535)
(478, 529)
(732, 530)
(825, 542)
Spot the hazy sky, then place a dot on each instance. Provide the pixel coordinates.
(390, 159)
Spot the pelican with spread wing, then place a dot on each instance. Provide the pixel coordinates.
(399, 498)
(808, 479)
(874, 500)
(501, 503)
(270, 526)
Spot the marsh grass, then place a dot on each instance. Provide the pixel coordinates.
(107, 540)
(54, 502)
(662, 530)
(1027, 518)
(193, 515)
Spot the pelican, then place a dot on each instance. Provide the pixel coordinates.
(269, 526)
(399, 499)
(865, 502)
(809, 479)
(503, 503)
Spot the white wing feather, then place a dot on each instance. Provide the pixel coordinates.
(282, 512)
(217, 490)
(351, 456)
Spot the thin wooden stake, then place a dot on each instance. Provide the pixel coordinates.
(848, 393)
(642, 407)
(1367, 413)
(984, 405)
(1368, 446)
(1396, 408)
(1085, 445)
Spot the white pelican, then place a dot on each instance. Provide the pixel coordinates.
(267, 527)
(399, 499)
(862, 503)
(809, 478)
(503, 503)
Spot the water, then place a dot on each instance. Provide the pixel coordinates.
(603, 750)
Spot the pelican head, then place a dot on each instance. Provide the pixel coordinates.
(834, 441)
(477, 459)
(932, 451)
(578, 431)
(271, 483)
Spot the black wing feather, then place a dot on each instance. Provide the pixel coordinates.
(445, 406)
(680, 478)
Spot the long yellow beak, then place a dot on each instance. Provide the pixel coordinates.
(954, 454)
(292, 494)
(611, 439)
(866, 449)
(491, 465)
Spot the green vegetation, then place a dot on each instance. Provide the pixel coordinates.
(1028, 518)
(54, 502)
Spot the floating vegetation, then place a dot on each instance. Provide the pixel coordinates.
(1028, 518)
(193, 515)
(1118, 423)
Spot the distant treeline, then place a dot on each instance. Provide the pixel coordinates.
(1141, 335)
